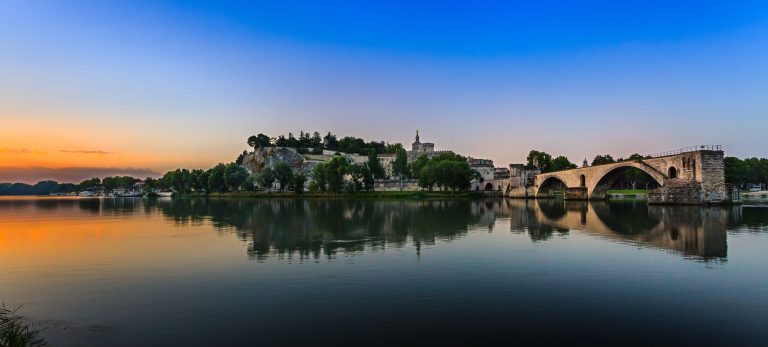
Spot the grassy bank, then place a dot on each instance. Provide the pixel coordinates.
(366, 195)
(15, 330)
(629, 191)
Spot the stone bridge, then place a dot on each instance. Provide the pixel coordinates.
(690, 176)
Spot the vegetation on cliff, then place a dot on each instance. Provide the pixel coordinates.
(347, 144)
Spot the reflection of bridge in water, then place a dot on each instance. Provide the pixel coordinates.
(319, 226)
(311, 228)
(689, 230)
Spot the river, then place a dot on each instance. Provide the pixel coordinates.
(286, 272)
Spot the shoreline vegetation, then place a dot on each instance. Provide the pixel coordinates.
(363, 194)
(17, 330)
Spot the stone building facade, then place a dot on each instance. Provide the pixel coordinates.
(484, 167)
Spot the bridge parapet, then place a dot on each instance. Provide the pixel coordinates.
(686, 150)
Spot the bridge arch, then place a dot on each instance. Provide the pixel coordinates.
(598, 189)
(548, 187)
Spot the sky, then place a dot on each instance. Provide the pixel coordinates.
(95, 88)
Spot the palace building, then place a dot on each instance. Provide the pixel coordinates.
(426, 149)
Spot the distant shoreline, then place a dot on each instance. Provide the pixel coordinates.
(372, 194)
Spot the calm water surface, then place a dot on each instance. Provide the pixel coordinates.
(129, 272)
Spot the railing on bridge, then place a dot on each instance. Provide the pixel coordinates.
(686, 150)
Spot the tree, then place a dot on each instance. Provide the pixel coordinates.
(602, 159)
(240, 158)
(317, 141)
(298, 183)
(216, 181)
(336, 168)
(426, 175)
(330, 142)
(198, 180)
(541, 160)
(150, 184)
(374, 165)
(282, 141)
(417, 165)
(90, 183)
(283, 175)
(266, 178)
(259, 141)
(182, 180)
(320, 177)
(393, 148)
(447, 171)
(356, 173)
(368, 180)
(251, 182)
(561, 163)
(179, 180)
(400, 164)
(109, 183)
(234, 176)
(292, 141)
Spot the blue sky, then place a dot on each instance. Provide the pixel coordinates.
(152, 84)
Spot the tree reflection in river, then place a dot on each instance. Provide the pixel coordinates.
(314, 228)
(323, 227)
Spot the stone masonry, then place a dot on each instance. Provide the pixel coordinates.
(695, 177)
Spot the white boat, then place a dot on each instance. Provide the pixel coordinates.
(162, 194)
(86, 193)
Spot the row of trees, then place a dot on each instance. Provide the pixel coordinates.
(40, 188)
(281, 173)
(448, 171)
(220, 178)
(347, 144)
(745, 171)
(547, 163)
(329, 176)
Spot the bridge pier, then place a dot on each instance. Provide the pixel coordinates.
(575, 194)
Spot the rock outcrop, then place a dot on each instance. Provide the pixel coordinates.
(269, 156)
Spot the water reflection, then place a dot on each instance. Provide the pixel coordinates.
(694, 231)
(315, 228)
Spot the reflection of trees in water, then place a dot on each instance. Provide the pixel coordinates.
(314, 227)
(324, 227)
(754, 218)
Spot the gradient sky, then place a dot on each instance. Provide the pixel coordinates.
(102, 87)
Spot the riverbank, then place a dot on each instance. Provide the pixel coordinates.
(755, 197)
(628, 194)
(345, 195)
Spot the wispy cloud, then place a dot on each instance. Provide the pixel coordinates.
(14, 150)
(69, 174)
(83, 151)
